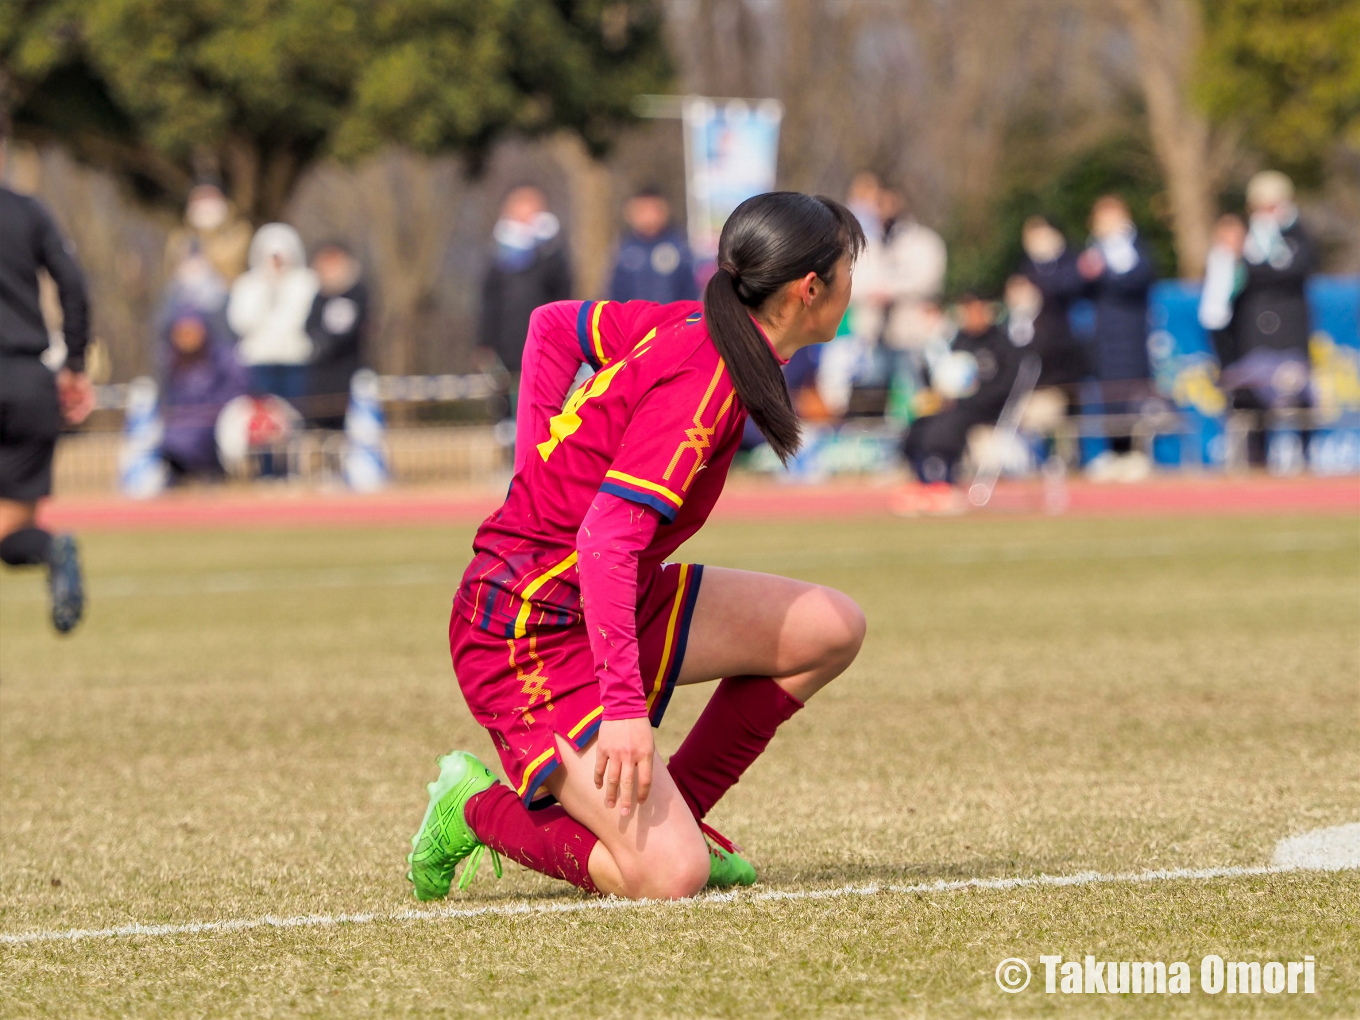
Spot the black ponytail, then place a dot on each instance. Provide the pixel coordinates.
(767, 241)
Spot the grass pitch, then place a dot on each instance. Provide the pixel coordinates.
(244, 725)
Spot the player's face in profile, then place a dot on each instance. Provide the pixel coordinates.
(828, 308)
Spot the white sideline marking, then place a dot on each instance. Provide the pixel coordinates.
(711, 899)
(1334, 849)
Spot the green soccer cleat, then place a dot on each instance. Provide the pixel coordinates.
(726, 867)
(444, 838)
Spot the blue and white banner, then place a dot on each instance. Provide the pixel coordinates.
(731, 153)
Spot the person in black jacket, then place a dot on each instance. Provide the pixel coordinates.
(1119, 271)
(1118, 268)
(934, 444)
(529, 267)
(33, 401)
(337, 325)
(1266, 365)
(1272, 310)
(1039, 314)
(654, 261)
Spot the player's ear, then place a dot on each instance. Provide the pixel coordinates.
(809, 289)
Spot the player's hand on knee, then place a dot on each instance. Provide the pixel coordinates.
(624, 751)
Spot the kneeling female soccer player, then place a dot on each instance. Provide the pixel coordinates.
(569, 628)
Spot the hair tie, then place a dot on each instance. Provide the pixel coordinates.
(730, 270)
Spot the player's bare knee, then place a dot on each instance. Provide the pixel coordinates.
(843, 628)
(686, 875)
(678, 872)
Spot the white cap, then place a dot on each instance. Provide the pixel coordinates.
(1268, 188)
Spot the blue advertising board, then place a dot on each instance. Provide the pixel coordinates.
(1185, 370)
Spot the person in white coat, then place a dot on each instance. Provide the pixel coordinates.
(898, 279)
(894, 309)
(268, 310)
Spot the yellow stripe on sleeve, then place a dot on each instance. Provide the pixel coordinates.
(642, 483)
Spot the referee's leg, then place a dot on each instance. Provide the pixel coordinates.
(16, 550)
(30, 419)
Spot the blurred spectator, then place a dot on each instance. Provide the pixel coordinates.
(268, 310)
(654, 261)
(529, 267)
(862, 200)
(968, 386)
(1272, 311)
(1224, 276)
(893, 314)
(1033, 327)
(194, 283)
(900, 273)
(213, 232)
(1265, 349)
(337, 326)
(1119, 271)
(1039, 301)
(199, 375)
(204, 256)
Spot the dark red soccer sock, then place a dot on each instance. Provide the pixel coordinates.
(550, 841)
(732, 731)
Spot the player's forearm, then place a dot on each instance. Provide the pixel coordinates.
(75, 308)
(609, 543)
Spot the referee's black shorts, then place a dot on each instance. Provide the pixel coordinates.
(29, 422)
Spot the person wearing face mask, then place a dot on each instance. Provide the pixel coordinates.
(1118, 269)
(203, 257)
(1279, 255)
(529, 268)
(213, 233)
(1266, 366)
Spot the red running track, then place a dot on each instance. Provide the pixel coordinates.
(744, 500)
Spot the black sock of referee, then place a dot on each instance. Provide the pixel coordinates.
(26, 547)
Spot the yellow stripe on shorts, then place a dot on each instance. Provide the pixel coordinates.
(522, 620)
(533, 767)
(680, 590)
